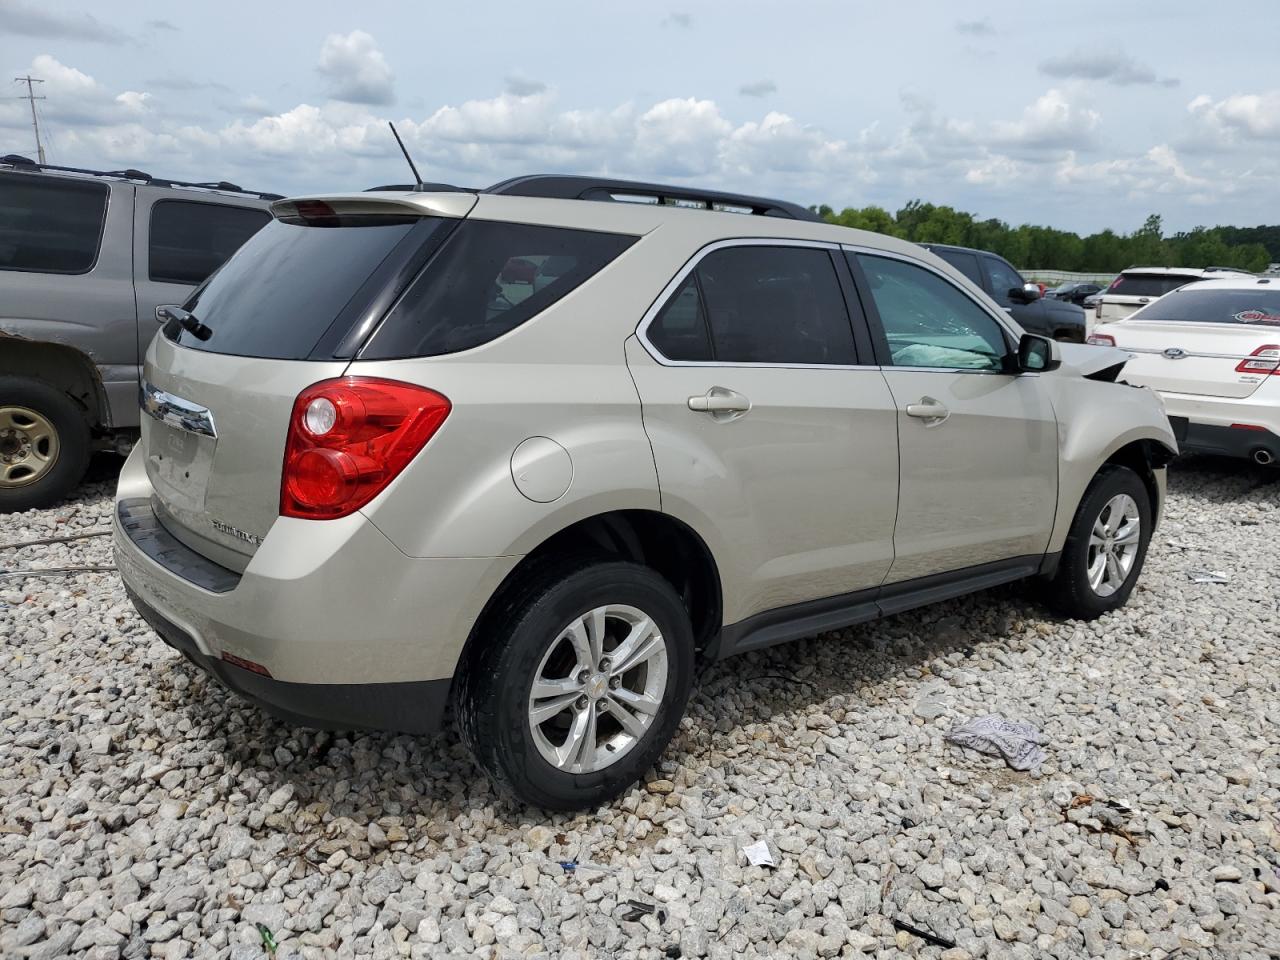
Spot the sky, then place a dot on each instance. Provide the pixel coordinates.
(1081, 115)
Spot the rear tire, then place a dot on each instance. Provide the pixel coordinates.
(602, 711)
(1106, 546)
(44, 444)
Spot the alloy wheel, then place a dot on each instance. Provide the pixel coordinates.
(598, 688)
(1113, 544)
(28, 446)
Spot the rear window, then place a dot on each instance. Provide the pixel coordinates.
(190, 239)
(1147, 284)
(279, 294)
(488, 279)
(1260, 306)
(50, 225)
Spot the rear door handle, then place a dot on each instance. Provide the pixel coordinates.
(721, 402)
(928, 409)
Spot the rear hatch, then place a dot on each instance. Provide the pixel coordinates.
(1203, 341)
(288, 310)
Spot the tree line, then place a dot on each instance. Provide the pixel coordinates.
(1032, 247)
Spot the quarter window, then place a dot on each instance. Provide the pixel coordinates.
(50, 225)
(190, 240)
(758, 304)
(928, 322)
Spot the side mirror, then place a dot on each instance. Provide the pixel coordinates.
(1038, 354)
(1027, 293)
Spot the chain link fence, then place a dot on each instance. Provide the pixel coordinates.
(1055, 277)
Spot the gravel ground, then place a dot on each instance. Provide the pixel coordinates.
(145, 812)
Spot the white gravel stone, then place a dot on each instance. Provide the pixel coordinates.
(145, 812)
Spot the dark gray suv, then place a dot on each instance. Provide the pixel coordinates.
(1023, 301)
(85, 259)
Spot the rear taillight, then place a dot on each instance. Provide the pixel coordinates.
(1101, 340)
(1265, 360)
(349, 438)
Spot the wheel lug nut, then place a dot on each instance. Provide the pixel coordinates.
(580, 704)
(615, 683)
(583, 675)
(604, 663)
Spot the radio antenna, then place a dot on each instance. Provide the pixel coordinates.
(417, 180)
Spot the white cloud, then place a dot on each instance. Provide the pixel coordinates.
(356, 69)
(1052, 121)
(133, 102)
(1248, 116)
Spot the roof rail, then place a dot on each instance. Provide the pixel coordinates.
(14, 160)
(629, 191)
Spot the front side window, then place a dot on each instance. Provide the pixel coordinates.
(928, 322)
(1003, 279)
(190, 240)
(758, 304)
(50, 224)
(488, 279)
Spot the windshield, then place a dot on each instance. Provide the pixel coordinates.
(1250, 306)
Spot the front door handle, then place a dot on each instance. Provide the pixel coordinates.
(928, 409)
(721, 402)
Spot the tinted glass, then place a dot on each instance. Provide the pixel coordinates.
(775, 305)
(928, 321)
(1003, 279)
(280, 292)
(679, 331)
(1259, 306)
(1147, 284)
(50, 225)
(966, 263)
(487, 280)
(190, 240)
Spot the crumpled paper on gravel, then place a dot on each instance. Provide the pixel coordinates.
(1020, 744)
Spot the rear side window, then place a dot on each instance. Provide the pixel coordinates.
(488, 279)
(50, 225)
(758, 304)
(279, 294)
(966, 263)
(1259, 306)
(1147, 284)
(189, 240)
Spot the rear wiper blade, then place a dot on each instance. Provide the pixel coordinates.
(184, 319)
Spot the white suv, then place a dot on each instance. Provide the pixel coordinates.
(1138, 286)
(538, 453)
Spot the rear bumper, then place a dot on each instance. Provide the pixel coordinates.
(351, 632)
(1225, 427)
(1225, 441)
(412, 707)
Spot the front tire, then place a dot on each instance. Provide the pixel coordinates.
(1106, 546)
(580, 685)
(44, 444)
